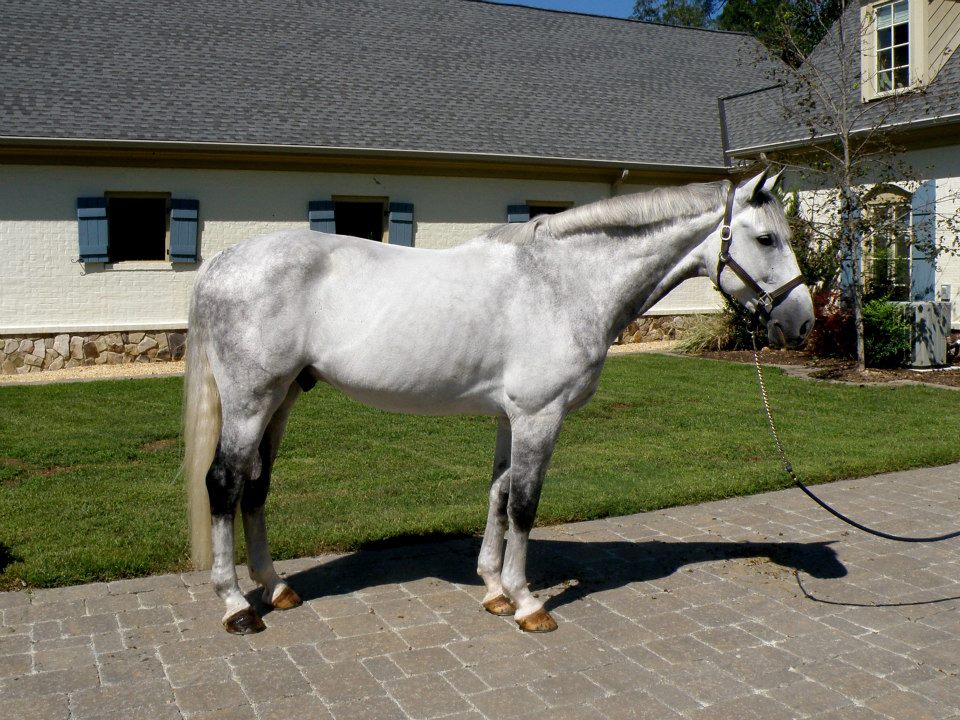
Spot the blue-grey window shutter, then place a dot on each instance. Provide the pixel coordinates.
(518, 213)
(923, 256)
(401, 224)
(92, 225)
(184, 222)
(847, 261)
(320, 214)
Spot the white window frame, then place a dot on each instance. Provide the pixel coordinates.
(895, 237)
(889, 17)
(916, 47)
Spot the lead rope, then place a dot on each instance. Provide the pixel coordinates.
(788, 469)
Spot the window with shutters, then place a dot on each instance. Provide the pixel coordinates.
(130, 227)
(371, 218)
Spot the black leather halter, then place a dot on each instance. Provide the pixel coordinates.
(766, 301)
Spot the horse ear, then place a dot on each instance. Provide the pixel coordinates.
(752, 187)
(772, 183)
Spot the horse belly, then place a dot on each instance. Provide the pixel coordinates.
(414, 346)
(420, 380)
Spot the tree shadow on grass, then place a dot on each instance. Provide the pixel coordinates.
(596, 566)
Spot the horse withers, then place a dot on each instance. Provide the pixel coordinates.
(515, 323)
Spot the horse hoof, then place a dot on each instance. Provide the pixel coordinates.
(244, 622)
(287, 599)
(539, 622)
(499, 606)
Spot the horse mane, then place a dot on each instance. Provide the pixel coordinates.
(639, 209)
(636, 210)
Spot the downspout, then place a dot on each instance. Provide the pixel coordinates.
(615, 185)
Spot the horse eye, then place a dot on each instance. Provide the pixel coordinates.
(766, 240)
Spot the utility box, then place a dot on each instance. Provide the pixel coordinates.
(929, 329)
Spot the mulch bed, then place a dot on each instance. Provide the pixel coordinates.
(826, 368)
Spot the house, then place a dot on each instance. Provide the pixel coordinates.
(893, 66)
(138, 139)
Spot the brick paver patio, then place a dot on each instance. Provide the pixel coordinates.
(691, 613)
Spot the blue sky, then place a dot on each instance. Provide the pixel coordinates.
(610, 8)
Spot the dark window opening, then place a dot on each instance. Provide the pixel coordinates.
(546, 209)
(137, 228)
(360, 219)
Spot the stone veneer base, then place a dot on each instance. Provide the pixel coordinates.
(37, 353)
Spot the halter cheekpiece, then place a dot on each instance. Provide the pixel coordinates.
(766, 301)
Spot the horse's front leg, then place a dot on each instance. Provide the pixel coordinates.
(532, 442)
(490, 563)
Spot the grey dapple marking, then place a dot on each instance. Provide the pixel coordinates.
(515, 324)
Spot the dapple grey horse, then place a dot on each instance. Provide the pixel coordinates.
(515, 324)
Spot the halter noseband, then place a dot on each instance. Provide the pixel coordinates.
(766, 301)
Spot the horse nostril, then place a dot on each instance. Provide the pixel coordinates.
(805, 328)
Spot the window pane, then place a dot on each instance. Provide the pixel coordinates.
(901, 34)
(901, 56)
(901, 77)
(883, 60)
(883, 38)
(884, 16)
(884, 81)
(901, 12)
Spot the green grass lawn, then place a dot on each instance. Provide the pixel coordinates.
(89, 488)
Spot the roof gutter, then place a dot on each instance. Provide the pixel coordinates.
(311, 150)
(905, 125)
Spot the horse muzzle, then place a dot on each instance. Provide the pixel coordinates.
(790, 322)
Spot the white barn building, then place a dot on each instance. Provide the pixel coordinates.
(136, 140)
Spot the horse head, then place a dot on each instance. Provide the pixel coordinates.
(754, 264)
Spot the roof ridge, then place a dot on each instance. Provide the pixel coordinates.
(635, 21)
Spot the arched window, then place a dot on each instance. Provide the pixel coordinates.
(886, 244)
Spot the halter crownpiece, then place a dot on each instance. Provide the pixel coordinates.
(766, 301)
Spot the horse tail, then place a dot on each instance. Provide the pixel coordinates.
(201, 434)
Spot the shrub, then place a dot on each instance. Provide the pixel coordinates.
(832, 334)
(886, 335)
(725, 330)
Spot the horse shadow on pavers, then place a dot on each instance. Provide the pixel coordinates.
(595, 566)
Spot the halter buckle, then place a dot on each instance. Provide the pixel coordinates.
(726, 233)
(767, 302)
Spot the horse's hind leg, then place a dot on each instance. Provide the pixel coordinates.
(236, 462)
(491, 552)
(275, 591)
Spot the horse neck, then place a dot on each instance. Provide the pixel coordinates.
(622, 274)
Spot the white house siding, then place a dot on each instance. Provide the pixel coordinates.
(942, 165)
(43, 289)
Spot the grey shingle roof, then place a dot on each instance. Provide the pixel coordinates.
(767, 119)
(427, 75)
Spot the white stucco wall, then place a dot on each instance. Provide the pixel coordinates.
(44, 289)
